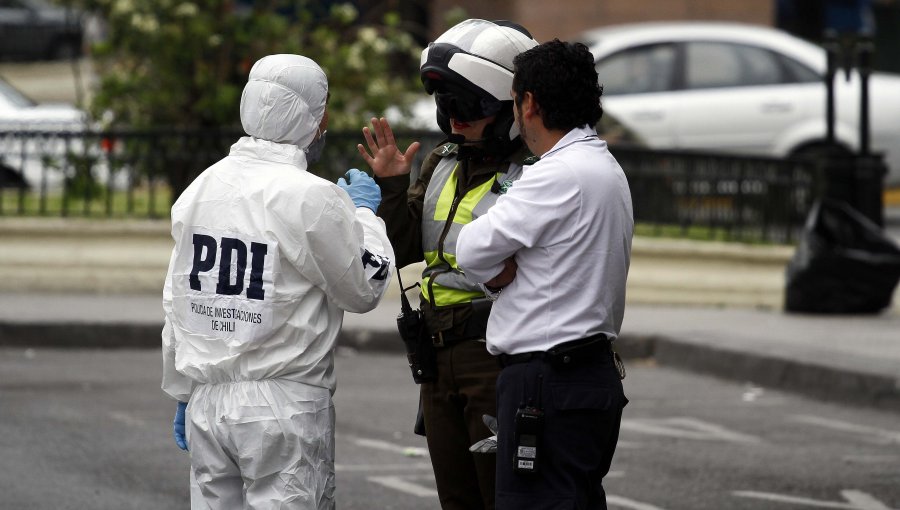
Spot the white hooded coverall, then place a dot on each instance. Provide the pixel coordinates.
(267, 258)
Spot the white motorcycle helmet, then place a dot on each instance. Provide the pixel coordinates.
(469, 70)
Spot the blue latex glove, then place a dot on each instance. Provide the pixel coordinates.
(180, 437)
(362, 189)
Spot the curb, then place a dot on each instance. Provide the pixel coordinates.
(816, 381)
(62, 335)
(820, 382)
(80, 335)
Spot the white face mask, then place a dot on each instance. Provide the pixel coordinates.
(314, 151)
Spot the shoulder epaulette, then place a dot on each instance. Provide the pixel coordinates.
(446, 149)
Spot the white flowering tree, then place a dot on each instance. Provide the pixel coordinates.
(183, 63)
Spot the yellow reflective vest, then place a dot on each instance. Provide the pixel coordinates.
(448, 205)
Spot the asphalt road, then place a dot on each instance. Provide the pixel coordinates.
(90, 429)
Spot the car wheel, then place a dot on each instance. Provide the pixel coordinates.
(65, 49)
(11, 178)
(820, 150)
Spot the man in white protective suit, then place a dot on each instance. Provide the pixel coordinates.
(267, 258)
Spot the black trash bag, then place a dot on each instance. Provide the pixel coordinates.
(844, 263)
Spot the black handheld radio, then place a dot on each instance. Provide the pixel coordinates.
(419, 350)
(529, 428)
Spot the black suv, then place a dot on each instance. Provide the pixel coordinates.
(37, 30)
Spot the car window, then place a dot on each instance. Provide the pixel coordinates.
(638, 70)
(11, 97)
(34, 5)
(797, 72)
(711, 65)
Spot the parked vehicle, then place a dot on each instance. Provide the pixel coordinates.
(38, 30)
(422, 115)
(30, 140)
(18, 111)
(736, 88)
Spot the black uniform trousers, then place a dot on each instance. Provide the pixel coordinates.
(582, 401)
(453, 407)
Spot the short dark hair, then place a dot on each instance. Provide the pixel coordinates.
(562, 78)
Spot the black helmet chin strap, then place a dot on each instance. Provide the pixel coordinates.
(495, 148)
(468, 150)
(461, 140)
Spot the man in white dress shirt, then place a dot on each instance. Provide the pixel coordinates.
(556, 249)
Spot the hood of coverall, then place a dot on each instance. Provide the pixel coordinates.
(284, 100)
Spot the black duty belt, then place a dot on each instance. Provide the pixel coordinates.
(566, 353)
(472, 329)
(447, 339)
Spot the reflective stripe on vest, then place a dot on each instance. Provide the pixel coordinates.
(450, 286)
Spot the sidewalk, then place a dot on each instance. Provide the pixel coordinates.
(712, 308)
(852, 359)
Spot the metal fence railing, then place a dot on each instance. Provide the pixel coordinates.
(718, 196)
(96, 174)
(136, 173)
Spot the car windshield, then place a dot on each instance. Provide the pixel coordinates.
(32, 4)
(13, 97)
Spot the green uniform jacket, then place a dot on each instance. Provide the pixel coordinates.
(402, 209)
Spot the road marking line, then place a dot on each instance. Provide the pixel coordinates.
(403, 484)
(688, 428)
(873, 459)
(417, 466)
(127, 419)
(378, 444)
(882, 436)
(862, 500)
(619, 501)
(855, 500)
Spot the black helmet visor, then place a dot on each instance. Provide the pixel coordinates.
(464, 106)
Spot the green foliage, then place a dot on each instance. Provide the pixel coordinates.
(183, 63)
(81, 182)
(454, 15)
(700, 233)
(141, 202)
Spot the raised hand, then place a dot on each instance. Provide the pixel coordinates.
(383, 155)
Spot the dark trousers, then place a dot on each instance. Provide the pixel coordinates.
(453, 406)
(582, 404)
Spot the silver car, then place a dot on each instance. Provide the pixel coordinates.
(736, 88)
(27, 144)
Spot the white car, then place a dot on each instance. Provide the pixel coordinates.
(736, 88)
(17, 111)
(22, 149)
(422, 116)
